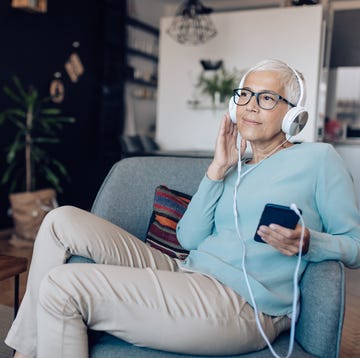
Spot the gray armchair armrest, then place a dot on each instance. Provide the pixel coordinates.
(320, 323)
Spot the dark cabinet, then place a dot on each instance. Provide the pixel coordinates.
(141, 52)
(130, 57)
(141, 78)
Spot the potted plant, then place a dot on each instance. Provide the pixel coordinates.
(219, 84)
(28, 162)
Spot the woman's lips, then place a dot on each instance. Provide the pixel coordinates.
(250, 122)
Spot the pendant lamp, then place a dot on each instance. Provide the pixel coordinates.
(192, 24)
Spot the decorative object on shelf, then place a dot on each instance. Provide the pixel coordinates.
(142, 51)
(211, 65)
(304, 2)
(30, 5)
(74, 66)
(192, 24)
(57, 90)
(28, 163)
(334, 130)
(218, 84)
(144, 93)
(145, 77)
(142, 39)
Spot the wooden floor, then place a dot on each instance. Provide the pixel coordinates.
(350, 346)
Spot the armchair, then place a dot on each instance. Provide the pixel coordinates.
(133, 181)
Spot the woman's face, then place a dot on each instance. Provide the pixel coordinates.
(254, 123)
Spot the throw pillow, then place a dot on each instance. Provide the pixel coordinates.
(168, 208)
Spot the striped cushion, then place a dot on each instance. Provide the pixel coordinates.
(168, 208)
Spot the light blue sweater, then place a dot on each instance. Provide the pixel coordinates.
(311, 175)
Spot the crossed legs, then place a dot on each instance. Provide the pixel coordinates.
(134, 292)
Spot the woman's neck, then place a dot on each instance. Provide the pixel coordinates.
(261, 152)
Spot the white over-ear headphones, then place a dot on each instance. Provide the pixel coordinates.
(295, 119)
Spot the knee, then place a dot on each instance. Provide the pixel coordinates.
(59, 215)
(54, 293)
(55, 221)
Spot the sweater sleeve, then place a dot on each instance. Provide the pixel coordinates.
(198, 220)
(339, 210)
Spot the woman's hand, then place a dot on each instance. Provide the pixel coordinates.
(285, 240)
(226, 152)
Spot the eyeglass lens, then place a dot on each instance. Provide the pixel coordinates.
(265, 100)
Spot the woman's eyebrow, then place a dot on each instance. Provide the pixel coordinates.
(261, 90)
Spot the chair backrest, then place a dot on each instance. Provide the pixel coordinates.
(126, 197)
(127, 193)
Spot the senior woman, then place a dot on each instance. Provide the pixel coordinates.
(200, 305)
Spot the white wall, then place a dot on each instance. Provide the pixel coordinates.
(293, 34)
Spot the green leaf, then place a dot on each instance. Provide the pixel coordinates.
(52, 178)
(48, 128)
(38, 158)
(16, 111)
(14, 148)
(18, 123)
(46, 99)
(13, 186)
(66, 119)
(20, 87)
(31, 99)
(8, 172)
(51, 111)
(52, 127)
(61, 168)
(51, 120)
(46, 140)
(10, 93)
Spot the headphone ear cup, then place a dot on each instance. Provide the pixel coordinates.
(232, 105)
(232, 109)
(294, 120)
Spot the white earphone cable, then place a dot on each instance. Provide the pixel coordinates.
(296, 273)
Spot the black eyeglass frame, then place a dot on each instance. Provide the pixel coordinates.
(257, 94)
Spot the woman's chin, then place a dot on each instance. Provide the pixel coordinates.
(249, 136)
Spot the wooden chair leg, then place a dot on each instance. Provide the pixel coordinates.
(16, 295)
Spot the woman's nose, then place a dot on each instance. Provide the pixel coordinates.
(252, 104)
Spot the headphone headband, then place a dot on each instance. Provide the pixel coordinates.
(301, 100)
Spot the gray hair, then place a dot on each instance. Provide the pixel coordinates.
(287, 77)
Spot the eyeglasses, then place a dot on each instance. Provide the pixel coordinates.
(265, 99)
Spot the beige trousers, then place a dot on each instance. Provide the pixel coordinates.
(133, 292)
